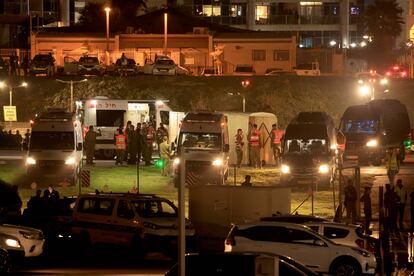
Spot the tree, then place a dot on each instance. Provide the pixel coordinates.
(382, 20)
(122, 12)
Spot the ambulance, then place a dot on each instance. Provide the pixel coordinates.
(107, 115)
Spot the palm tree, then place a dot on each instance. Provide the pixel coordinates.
(382, 20)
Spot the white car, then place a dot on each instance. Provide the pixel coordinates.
(302, 244)
(31, 239)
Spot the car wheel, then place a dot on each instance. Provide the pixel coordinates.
(107, 154)
(346, 268)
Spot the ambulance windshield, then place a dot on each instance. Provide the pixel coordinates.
(48, 140)
(201, 141)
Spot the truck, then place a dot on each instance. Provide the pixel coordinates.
(55, 147)
(309, 150)
(107, 115)
(372, 128)
(203, 143)
(308, 69)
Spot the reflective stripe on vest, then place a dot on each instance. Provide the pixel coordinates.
(254, 138)
(120, 141)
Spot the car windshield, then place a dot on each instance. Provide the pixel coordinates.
(366, 126)
(308, 146)
(201, 141)
(164, 62)
(89, 60)
(41, 58)
(154, 208)
(49, 140)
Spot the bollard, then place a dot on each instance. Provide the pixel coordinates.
(410, 248)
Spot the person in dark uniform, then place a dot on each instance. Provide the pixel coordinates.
(90, 141)
(366, 200)
(132, 145)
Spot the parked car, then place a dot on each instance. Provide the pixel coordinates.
(164, 66)
(299, 219)
(138, 221)
(240, 263)
(302, 244)
(346, 234)
(42, 65)
(397, 71)
(12, 245)
(30, 239)
(90, 66)
(5, 263)
(278, 72)
(244, 70)
(128, 69)
(209, 71)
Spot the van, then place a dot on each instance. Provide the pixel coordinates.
(309, 149)
(203, 143)
(55, 147)
(136, 221)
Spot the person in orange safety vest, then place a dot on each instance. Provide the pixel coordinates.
(254, 147)
(120, 146)
(276, 139)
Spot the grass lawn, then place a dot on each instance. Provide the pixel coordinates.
(123, 179)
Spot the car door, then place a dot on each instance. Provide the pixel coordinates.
(308, 249)
(260, 239)
(123, 223)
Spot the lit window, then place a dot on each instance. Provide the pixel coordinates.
(209, 10)
(281, 55)
(236, 10)
(262, 13)
(259, 55)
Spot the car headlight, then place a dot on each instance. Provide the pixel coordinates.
(384, 81)
(334, 147)
(323, 168)
(30, 161)
(70, 161)
(372, 143)
(176, 161)
(12, 243)
(362, 252)
(218, 162)
(285, 169)
(364, 90)
(360, 81)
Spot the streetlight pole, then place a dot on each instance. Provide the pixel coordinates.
(107, 10)
(71, 82)
(3, 84)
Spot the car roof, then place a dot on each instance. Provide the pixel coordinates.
(272, 223)
(333, 224)
(293, 218)
(124, 195)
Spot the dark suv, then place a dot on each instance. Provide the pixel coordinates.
(42, 65)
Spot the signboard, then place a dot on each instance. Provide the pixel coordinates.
(107, 104)
(10, 114)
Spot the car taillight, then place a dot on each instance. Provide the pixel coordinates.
(404, 74)
(360, 243)
(388, 74)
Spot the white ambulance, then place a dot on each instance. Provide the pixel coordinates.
(55, 147)
(107, 115)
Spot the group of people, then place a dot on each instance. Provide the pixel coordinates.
(255, 144)
(15, 141)
(46, 204)
(132, 143)
(395, 201)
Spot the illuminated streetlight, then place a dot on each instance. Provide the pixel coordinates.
(353, 45)
(332, 43)
(107, 10)
(4, 84)
(71, 82)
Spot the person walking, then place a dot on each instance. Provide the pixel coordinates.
(165, 156)
(120, 146)
(392, 164)
(90, 142)
(255, 145)
(132, 145)
(366, 200)
(401, 193)
(390, 206)
(350, 201)
(276, 139)
(127, 130)
(238, 138)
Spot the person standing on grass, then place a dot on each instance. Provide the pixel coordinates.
(165, 156)
(90, 141)
(350, 201)
(239, 147)
(392, 164)
(120, 146)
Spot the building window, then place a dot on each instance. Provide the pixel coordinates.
(211, 10)
(259, 55)
(236, 10)
(281, 55)
(262, 13)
